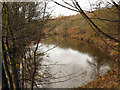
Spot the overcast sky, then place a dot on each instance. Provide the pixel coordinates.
(58, 10)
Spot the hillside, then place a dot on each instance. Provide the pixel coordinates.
(76, 26)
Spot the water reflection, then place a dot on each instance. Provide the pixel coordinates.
(71, 67)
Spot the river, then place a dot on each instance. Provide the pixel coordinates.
(72, 63)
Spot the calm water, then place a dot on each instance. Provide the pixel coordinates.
(71, 63)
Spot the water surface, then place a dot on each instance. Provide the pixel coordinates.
(72, 63)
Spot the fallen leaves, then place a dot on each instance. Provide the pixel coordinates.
(108, 80)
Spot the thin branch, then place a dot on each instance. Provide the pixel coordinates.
(51, 48)
(104, 40)
(61, 80)
(64, 6)
(68, 4)
(91, 22)
(106, 19)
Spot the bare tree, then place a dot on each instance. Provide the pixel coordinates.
(16, 18)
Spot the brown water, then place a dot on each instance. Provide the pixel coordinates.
(72, 63)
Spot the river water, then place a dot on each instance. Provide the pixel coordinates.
(72, 63)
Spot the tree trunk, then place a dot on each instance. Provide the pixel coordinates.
(4, 80)
(5, 67)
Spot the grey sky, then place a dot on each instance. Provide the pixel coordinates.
(58, 10)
